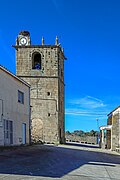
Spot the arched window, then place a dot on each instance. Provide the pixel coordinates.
(36, 61)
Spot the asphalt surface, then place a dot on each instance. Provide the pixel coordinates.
(67, 162)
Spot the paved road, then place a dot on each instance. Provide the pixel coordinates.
(67, 162)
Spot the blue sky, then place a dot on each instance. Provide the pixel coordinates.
(89, 31)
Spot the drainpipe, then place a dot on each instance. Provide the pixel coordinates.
(2, 110)
(29, 119)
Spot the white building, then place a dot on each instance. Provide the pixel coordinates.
(14, 109)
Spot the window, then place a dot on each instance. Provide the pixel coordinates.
(48, 114)
(20, 97)
(36, 60)
(48, 93)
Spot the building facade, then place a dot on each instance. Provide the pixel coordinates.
(110, 134)
(42, 66)
(14, 109)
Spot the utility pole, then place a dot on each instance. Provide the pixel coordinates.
(98, 134)
(97, 123)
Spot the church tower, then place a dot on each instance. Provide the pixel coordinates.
(42, 66)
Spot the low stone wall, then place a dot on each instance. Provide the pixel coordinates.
(84, 140)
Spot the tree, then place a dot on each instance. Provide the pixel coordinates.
(68, 133)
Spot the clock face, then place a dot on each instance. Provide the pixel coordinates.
(23, 41)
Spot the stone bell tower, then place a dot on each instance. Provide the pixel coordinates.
(42, 66)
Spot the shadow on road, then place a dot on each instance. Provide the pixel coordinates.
(52, 161)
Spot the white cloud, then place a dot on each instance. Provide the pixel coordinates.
(87, 106)
(58, 5)
(88, 102)
(79, 112)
